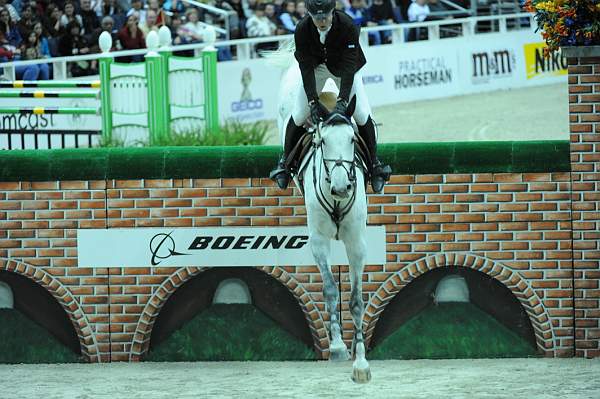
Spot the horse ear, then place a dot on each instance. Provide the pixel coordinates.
(351, 107)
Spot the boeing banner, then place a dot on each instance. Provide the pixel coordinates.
(224, 247)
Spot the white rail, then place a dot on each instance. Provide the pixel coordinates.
(245, 47)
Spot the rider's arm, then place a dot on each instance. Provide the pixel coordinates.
(348, 62)
(306, 61)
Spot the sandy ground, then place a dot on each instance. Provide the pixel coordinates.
(537, 113)
(455, 379)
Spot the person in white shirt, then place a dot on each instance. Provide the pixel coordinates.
(150, 23)
(259, 25)
(193, 29)
(418, 11)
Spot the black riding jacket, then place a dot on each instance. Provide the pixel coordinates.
(341, 53)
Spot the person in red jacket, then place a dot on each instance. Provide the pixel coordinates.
(327, 47)
(131, 37)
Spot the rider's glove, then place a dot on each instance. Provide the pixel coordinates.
(341, 106)
(317, 111)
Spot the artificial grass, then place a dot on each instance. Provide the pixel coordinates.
(452, 331)
(23, 341)
(257, 161)
(231, 332)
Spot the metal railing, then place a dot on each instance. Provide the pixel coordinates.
(245, 48)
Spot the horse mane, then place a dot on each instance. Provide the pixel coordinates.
(283, 57)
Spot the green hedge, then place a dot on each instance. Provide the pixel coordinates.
(452, 331)
(235, 332)
(23, 341)
(257, 161)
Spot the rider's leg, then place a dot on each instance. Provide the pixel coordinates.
(293, 132)
(380, 173)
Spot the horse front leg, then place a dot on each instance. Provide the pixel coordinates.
(361, 372)
(320, 246)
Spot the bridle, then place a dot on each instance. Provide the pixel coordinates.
(336, 210)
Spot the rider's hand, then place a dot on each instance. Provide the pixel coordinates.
(317, 111)
(341, 106)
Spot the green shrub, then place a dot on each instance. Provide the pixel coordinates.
(452, 331)
(231, 332)
(23, 341)
(232, 133)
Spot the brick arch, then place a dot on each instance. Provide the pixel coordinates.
(530, 301)
(87, 340)
(143, 331)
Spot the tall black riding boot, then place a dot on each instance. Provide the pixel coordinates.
(380, 173)
(282, 173)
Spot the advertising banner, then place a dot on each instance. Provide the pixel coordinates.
(401, 73)
(220, 247)
(248, 90)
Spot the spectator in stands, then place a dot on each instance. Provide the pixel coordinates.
(90, 21)
(360, 15)
(111, 8)
(10, 32)
(25, 24)
(271, 13)
(69, 15)
(418, 11)
(161, 17)
(193, 29)
(300, 10)
(32, 50)
(14, 14)
(381, 13)
(131, 38)
(243, 12)
(150, 23)
(38, 28)
(73, 43)
(174, 6)
(288, 17)
(107, 25)
(51, 20)
(259, 25)
(137, 6)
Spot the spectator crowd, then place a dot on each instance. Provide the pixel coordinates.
(33, 29)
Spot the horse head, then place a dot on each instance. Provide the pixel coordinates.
(337, 144)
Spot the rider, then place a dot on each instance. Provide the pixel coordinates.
(327, 47)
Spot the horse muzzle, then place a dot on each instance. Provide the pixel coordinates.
(341, 193)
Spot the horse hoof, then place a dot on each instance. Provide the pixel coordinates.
(361, 376)
(338, 353)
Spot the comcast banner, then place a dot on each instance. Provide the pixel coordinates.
(270, 246)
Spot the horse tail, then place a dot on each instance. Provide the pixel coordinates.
(283, 57)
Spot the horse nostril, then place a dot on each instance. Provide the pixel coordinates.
(333, 191)
(349, 187)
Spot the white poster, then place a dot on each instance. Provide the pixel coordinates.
(248, 90)
(224, 247)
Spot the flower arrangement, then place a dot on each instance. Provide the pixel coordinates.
(566, 22)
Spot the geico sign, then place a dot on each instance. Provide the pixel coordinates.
(248, 105)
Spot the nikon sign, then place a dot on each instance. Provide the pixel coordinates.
(211, 247)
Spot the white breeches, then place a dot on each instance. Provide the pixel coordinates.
(363, 109)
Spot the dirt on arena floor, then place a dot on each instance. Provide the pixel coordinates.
(536, 113)
(485, 378)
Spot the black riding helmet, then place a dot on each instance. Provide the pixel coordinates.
(320, 8)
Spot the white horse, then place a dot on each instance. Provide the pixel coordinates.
(334, 193)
